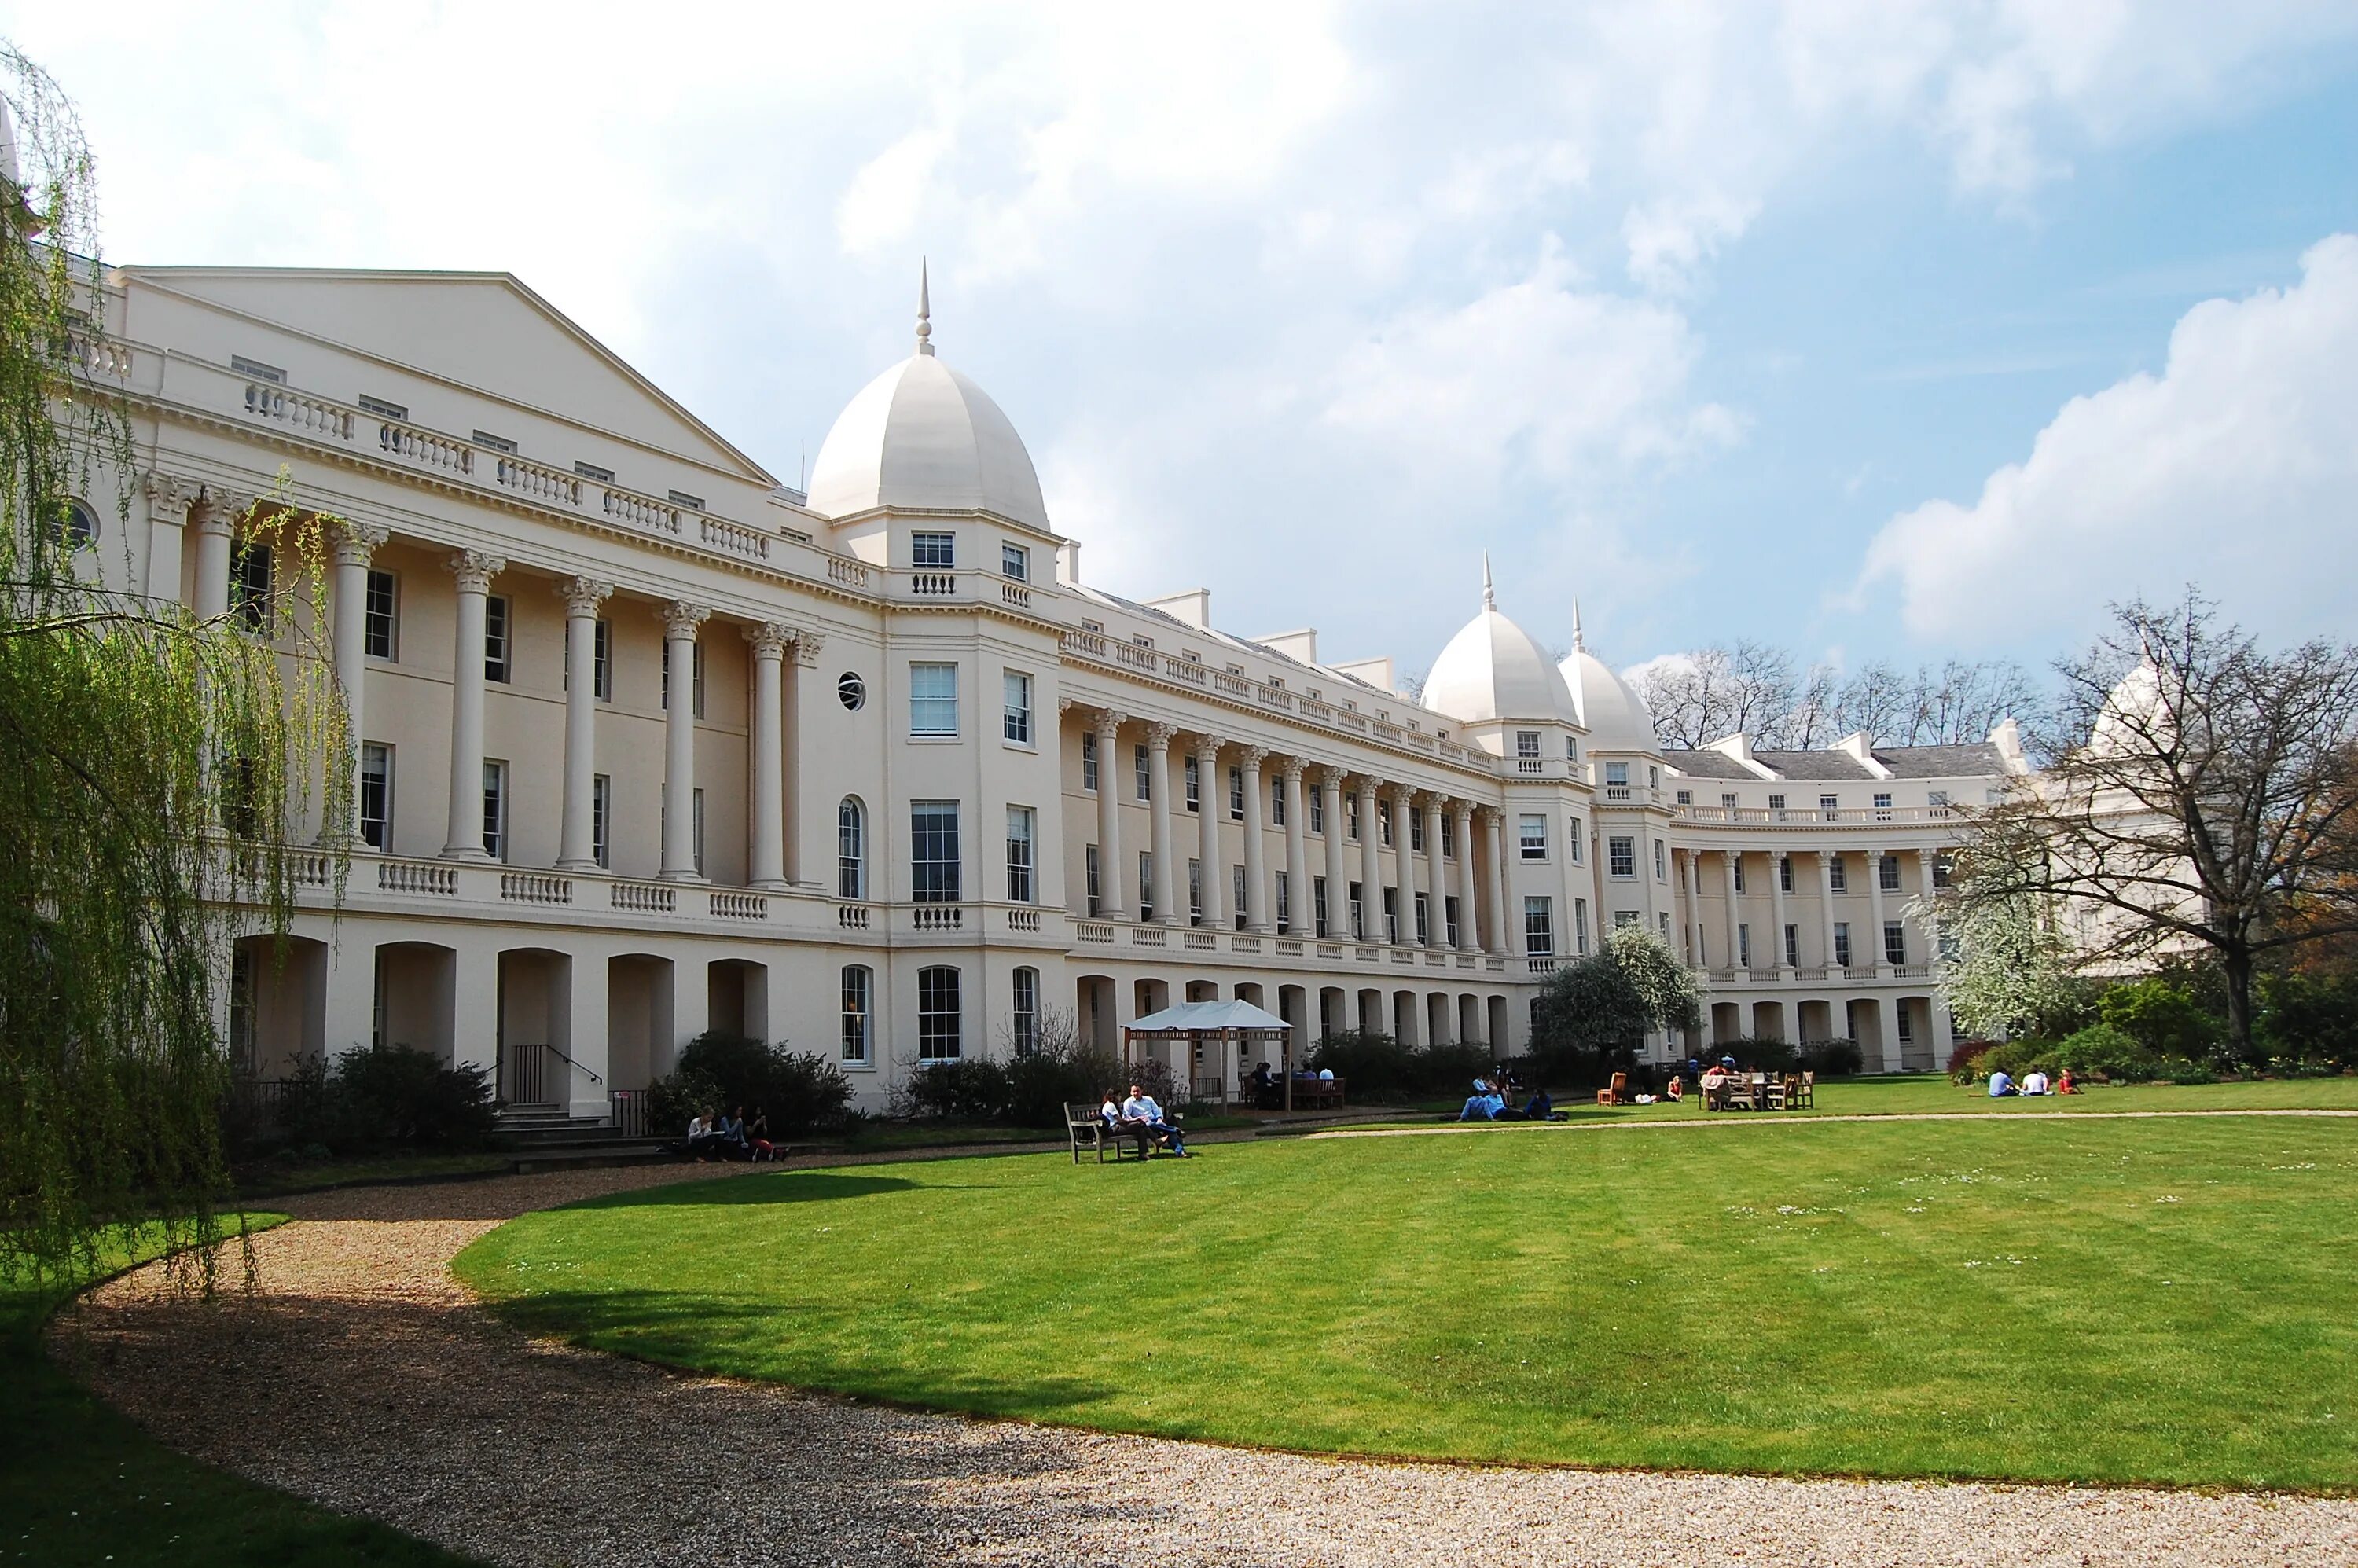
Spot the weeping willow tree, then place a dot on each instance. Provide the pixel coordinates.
(152, 764)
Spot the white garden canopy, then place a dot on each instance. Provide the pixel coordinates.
(1232, 1022)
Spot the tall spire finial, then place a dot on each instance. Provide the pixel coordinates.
(1489, 594)
(925, 309)
(1576, 642)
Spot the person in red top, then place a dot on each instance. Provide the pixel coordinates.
(2065, 1084)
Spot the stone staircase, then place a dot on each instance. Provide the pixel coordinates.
(548, 1138)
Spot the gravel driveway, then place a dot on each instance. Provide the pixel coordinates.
(360, 1375)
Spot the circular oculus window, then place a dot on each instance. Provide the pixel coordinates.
(852, 690)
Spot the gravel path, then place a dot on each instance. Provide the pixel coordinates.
(359, 1375)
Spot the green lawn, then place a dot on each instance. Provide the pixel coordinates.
(81, 1484)
(2102, 1301)
(1916, 1093)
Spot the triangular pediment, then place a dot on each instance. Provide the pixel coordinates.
(484, 331)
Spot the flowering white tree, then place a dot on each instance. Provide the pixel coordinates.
(2011, 972)
(1665, 986)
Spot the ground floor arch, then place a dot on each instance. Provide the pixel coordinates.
(278, 1004)
(534, 1023)
(416, 989)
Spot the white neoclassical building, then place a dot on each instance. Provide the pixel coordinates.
(652, 743)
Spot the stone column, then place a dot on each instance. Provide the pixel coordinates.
(354, 544)
(1403, 866)
(1874, 904)
(1469, 899)
(1501, 940)
(1928, 921)
(1702, 959)
(1112, 766)
(1257, 901)
(472, 571)
(682, 621)
(1338, 875)
(768, 847)
(1301, 909)
(215, 515)
(1826, 907)
(807, 817)
(168, 496)
(1211, 803)
(1436, 876)
(1372, 865)
(1777, 863)
(1735, 946)
(577, 838)
(1169, 883)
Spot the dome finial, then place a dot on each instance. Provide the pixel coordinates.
(1576, 640)
(925, 309)
(1489, 594)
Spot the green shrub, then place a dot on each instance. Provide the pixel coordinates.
(679, 1097)
(2160, 1016)
(2014, 1058)
(2311, 1019)
(2187, 1070)
(1378, 1069)
(970, 1089)
(392, 1095)
(1828, 1058)
(800, 1092)
(2102, 1051)
(1964, 1058)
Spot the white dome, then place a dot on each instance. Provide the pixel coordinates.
(1493, 669)
(921, 435)
(1616, 721)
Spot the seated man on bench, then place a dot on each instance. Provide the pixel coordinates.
(1120, 1126)
(1140, 1108)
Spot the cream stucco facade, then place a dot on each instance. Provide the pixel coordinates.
(936, 785)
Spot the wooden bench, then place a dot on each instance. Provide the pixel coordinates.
(1089, 1130)
(1318, 1094)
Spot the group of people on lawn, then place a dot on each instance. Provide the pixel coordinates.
(2002, 1084)
(1140, 1117)
(1488, 1103)
(724, 1135)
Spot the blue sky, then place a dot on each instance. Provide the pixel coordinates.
(1868, 327)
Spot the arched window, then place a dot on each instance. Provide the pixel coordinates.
(851, 848)
(857, 989)
(939, 1014)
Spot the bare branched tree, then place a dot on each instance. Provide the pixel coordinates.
(1751, 687)
(2195, 793)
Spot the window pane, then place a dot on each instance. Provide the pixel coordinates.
(933, 851)
(938, 1031)
(856, 991)
(1017, 723)
(383, 609)
(376, 793)
(933, 699)
(933, 549)
(851, 850)
(1018, 854)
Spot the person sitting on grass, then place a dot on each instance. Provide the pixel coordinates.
(1540, 1107)
(1484, 1104)
(1675, 1090)
(2067, 1084)
(1142, 1108)
(2034, 1082)
(2001, 1085)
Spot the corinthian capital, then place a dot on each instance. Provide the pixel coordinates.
(682, 620)
(356, 542)
(216, 507)
(1292, 768)
(770, 639)
(1109, 721)
(169, 494)
(1207, 748)
(474, 571)
(582, 596)
(808, 647)
(1158, 737)
(1252, 757)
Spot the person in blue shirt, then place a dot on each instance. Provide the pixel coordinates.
(1484, 1104)
(1140, 1108)
(2001, 1085)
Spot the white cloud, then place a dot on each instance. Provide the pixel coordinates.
(2233, 469)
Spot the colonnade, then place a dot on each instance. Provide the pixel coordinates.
(1866, 960)
(1477, 888)
(472, 572)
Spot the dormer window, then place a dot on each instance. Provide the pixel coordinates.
(933, 552)
(1527, 744)
(1014, 562)
(1142, 640)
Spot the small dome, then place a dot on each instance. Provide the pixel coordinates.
(921, 435)
(2134, 714)
(1494, 669)
(1616, 721)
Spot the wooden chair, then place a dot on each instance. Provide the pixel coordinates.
(1805, 1092)
(1617, 1092)
(1772, 1094)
